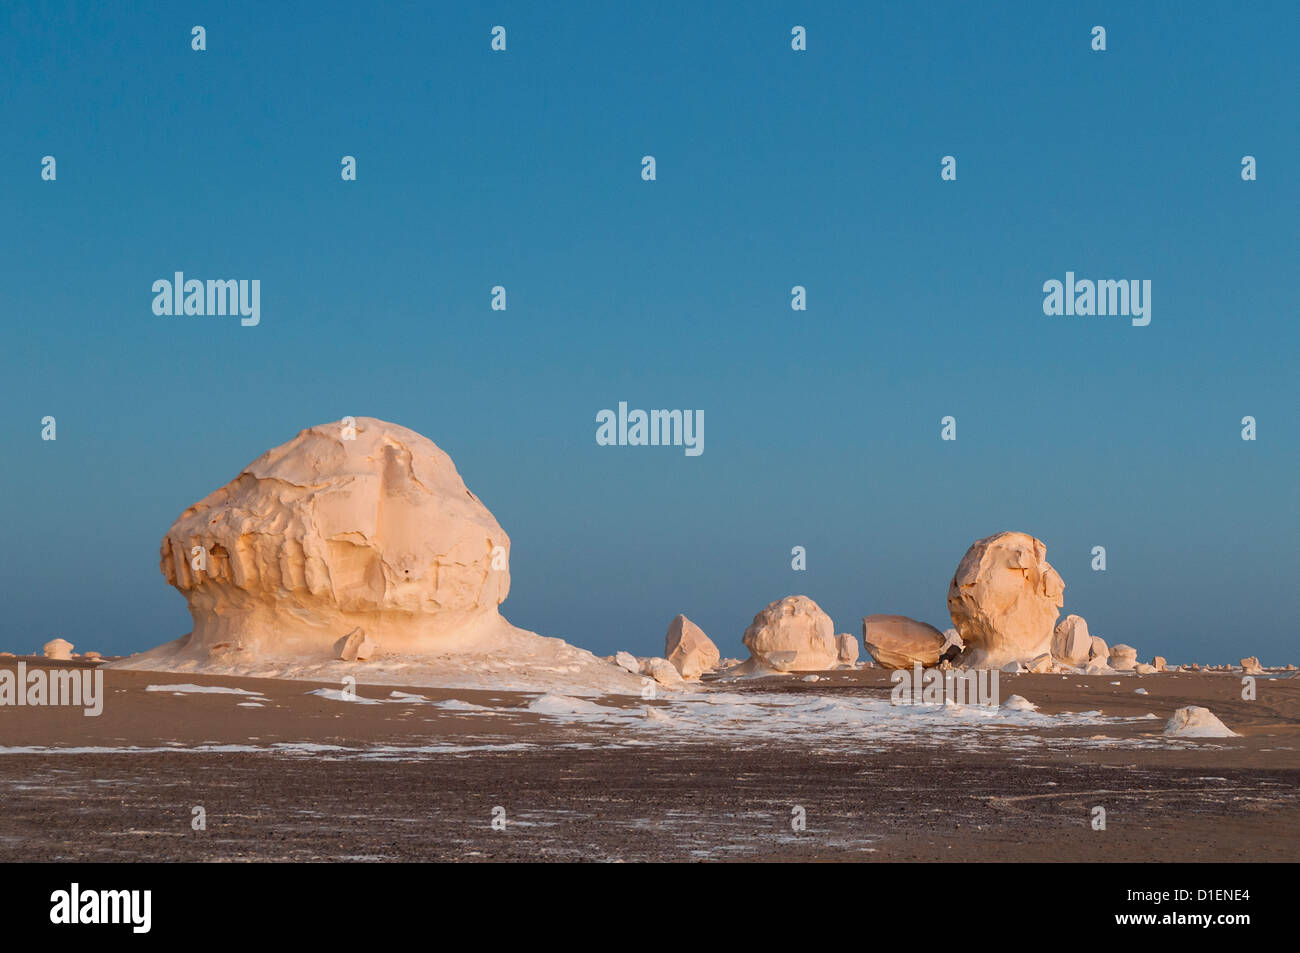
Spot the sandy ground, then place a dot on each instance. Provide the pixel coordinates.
(307, 777)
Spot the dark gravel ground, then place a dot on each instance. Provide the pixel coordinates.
(684, 803)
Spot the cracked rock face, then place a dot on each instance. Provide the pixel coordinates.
(1004, 599)
(342, 527)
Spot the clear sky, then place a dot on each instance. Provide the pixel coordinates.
(775, 168)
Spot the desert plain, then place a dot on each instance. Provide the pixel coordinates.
(303, 771)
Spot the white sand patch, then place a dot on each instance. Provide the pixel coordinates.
(1019, 703)
(517, 664)
(846, 720)
(553, 704)
(188, 689)
(338, 695)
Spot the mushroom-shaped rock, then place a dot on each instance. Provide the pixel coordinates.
(1071, 642)
(895, 641)
(1196, 722)
(689, 649)
(793, 635)
(1004, 600)
(60, 649)
(1250, 665)
(1123, 657)
(847, 646)
(340, 527)
(355, 524)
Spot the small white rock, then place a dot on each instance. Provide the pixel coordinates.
(1197, 722)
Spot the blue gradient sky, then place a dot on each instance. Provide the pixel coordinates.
(775, 169)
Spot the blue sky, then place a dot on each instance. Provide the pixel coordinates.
(775, 168)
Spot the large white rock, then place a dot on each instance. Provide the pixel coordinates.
(1100, 651)
(325, 534)
(1071, 642)
(60, 649)
(793, 635)
(1196, 722)
(628, 662)
(896, 641)
(356, 524)
(689, 649)
(1250, 665)
(1004, 599)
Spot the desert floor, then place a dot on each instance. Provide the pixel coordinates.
(317, 778)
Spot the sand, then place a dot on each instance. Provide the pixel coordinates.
(289, 770)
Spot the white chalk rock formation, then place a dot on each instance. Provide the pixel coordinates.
(60, 649)
(1250, 665)
(1100, 652)
(1196, 722)
(1071, 642)
(663, 672)
(1123, 657)
(1004, 600)
(847, 646)
(793, 635)
(628, 662)
(1159, 663)
(895, 641)
(356, 524)
(1144, 669)
(357, 648)
(689, 649)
